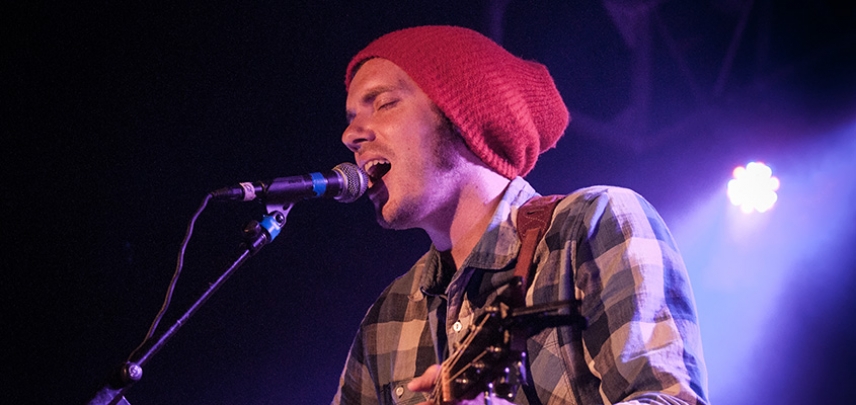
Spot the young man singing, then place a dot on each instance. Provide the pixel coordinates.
(446, 123)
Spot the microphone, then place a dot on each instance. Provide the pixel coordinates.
(345, 183)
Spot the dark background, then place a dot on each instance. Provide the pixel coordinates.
(118, 117)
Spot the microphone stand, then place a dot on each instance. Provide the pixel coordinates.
(256, 236)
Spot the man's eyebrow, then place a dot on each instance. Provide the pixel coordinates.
(373, 92)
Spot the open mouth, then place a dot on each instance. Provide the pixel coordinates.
(376, 169)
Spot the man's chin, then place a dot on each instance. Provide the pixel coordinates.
(385, 220)
(389, 217)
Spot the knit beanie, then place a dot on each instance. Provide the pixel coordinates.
(507, 109)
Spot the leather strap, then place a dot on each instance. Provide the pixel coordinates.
(533, 219)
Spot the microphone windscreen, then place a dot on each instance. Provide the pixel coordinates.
(355, 182)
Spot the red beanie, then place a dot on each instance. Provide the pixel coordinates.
(507, 109)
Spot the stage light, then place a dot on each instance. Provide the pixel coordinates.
(753, 187)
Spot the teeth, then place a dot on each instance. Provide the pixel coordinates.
(376, 168)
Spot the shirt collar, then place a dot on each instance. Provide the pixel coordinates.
(497, 247)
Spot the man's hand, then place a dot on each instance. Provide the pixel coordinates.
(426, 382)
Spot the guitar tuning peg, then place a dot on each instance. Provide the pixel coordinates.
(505, 378)
(505, 390)
(521, 371)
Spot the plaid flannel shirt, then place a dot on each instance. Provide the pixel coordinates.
(608, 249)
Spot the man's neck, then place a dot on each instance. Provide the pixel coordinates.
(472, 212)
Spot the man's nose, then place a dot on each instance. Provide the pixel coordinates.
(356, 133)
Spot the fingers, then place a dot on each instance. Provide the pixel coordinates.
(426, 381)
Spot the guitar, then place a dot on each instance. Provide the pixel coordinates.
(492, 356)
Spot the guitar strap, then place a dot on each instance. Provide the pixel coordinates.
(533, 219)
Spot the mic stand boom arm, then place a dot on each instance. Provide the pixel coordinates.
(256, 236)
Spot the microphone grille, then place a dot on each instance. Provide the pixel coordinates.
(356, 182)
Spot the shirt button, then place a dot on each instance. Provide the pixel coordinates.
(399, 391)
(457, 326)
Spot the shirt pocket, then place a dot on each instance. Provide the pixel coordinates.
(396, 393)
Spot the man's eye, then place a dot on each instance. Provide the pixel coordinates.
(386, 104)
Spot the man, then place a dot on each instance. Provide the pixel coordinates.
(446, 123)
